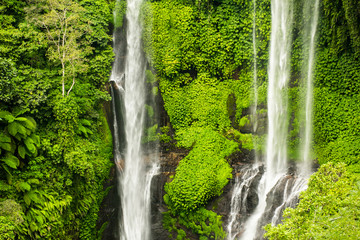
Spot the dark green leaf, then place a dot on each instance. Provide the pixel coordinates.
(21, 151)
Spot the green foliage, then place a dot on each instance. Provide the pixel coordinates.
(336, 130)
(59, 179)
(203, 173)
(206, 224)
(120, 10)
(326, 208)
(17, 139)
(11, 216)
(7, 73)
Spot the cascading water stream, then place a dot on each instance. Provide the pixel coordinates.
(135, 174)
(278, 74)
(311, 29)
(239, 199)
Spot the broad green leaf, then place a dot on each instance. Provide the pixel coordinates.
(11, 161)
(21, 151)
(40, 219)
(5, 138)
(15, 128)
(6, 146)
(27, 198)
(34, 196)
(33, 226)
(7, 170)
(33, 181)
(35, 138)
(7, 116)
(24, 186)
(29, 143)
(29, 124)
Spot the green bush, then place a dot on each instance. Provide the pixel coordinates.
(330, 205)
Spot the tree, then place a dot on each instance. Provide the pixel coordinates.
(66, 31)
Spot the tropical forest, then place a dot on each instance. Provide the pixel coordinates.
(179, 119)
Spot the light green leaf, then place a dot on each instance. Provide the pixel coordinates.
(85, 122)
(21, 119)
(35, 138)
(11, 161)
(15, 128)
(33, 181)
(7, 116)
(24, 186)
(29, 124)
(5, 146)
(5, 138)
(29, 143)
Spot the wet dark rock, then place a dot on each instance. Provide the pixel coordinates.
(109, 209)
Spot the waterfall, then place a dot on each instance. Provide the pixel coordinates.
(135, 173)
(310, 42)
(278, 74)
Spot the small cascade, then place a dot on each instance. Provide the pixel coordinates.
(239, 199)
(311, 28)
(292, 189)
(135, 171)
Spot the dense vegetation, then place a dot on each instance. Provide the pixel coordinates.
(55, 143)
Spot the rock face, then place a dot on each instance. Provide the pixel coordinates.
(169, 162)
(109, 210)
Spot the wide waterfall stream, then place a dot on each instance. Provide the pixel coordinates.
(135, 171)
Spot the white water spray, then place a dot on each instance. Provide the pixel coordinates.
(306, 158)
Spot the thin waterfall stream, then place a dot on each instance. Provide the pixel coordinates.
(310, 41)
